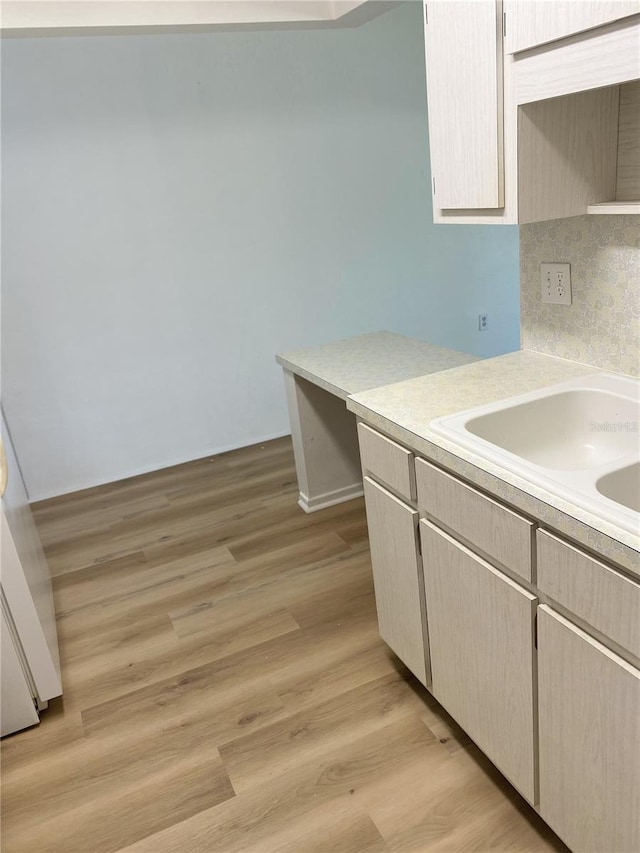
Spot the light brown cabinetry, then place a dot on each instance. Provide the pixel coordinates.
(481, 640)
(589, 736)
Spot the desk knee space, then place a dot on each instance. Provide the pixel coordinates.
(325, 445)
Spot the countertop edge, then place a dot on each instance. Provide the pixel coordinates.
(419, 358)
(314, 378)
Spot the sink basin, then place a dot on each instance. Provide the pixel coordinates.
(622, 486)
(579, 440)
(565, 431)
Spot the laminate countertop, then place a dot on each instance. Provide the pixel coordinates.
(404, 410)
(369, 361)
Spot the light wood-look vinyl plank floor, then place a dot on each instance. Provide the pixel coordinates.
(225, 688)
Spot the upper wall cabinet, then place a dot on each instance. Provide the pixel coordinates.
(534, 135)
(464, 82)
(603, 56)
(31, 17)
(472, 132)
(532, 23)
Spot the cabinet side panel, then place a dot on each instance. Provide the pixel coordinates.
(325, 444)
(567, 154)
(628, 178)
(482, 654)
(589, 720)
(397, 577)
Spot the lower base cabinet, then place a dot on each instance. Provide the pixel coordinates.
(589, 735)
(560, 716)
(395, 560)
(481, 640)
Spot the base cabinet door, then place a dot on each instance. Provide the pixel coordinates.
(396, 576)
(481, 641)
(589, 728)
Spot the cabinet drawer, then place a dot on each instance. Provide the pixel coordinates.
(497, 532)
(387, 461)
(605, 599)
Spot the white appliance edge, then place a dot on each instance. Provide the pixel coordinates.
(28, 616)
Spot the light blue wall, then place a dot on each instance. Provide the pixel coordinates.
(178, 208)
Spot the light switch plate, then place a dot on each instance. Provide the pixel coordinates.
(555, 283)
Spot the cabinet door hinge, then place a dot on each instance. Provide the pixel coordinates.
(426, 14)
(535, 631)
(419, 542)
(504, 25)
(434, 186)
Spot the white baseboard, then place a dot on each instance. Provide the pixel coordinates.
(338, 496)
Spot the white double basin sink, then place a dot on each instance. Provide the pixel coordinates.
(579, 440)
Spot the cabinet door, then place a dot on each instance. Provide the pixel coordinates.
(396, 576)
(589, 722)
(464, 86)
(530, 23)
(481, 641)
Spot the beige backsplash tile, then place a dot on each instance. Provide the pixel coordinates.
(602, 325)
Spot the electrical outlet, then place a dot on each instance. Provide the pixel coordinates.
(483, 322)
(555, 283)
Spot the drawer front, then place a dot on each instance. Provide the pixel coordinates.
(605, 599)
(387, 461)
(497, 532)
